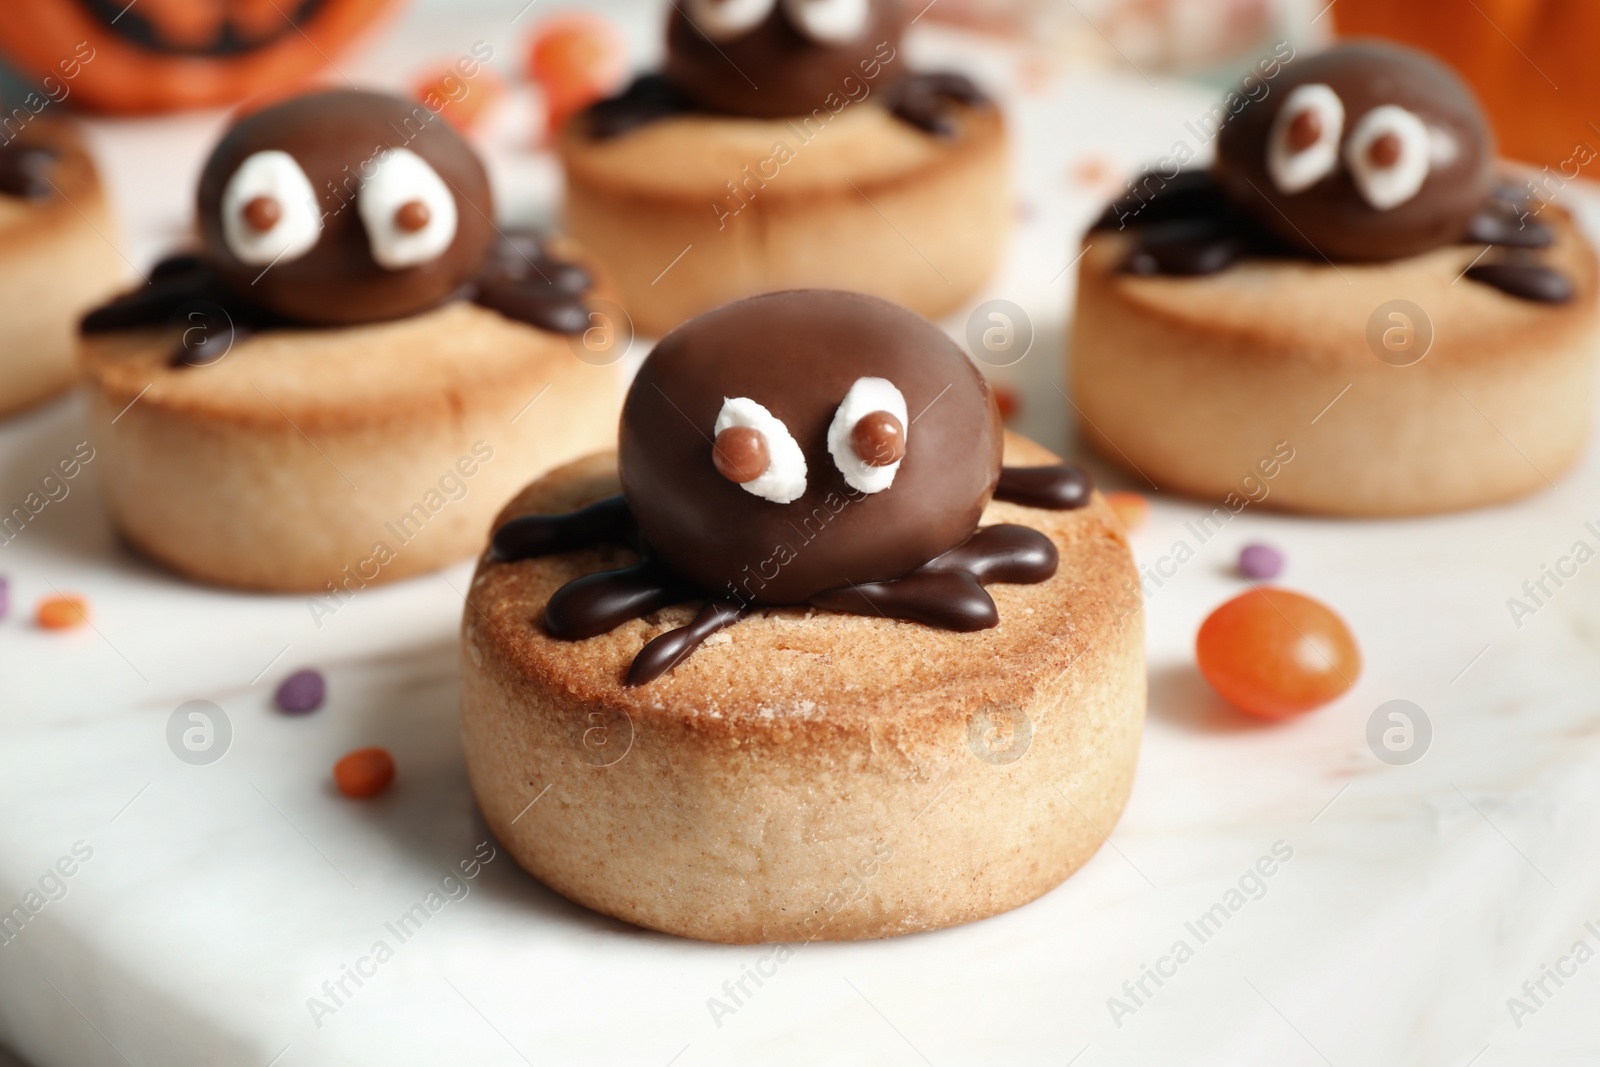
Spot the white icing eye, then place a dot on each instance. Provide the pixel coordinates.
(867, 437)
(1389, 156)
(1303, 147)
(723, 20)
(829, 21)
(269, 210)
(407, 209)
(767, 461)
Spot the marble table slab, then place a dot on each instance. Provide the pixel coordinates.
(211, 911)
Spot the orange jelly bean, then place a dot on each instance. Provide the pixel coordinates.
(62, 612)
(1276, 654)
(1007, 400)
(1131, 508)
(366, 772)
(576, 59)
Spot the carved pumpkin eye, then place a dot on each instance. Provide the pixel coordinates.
(867, 437)
(829, 21)
(725, 20)
(407, 209)
(269, 210)
(1389, 156)
(1303, 147)
(756, 451)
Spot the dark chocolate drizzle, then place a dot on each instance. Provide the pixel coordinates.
(946, 592)
(25, 170)
(926, 101)
(1061, 487)
(1186, 226)
(521, 280)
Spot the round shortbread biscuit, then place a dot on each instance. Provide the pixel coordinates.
(691, 212)
(325, 460)
(1399, 388)
(807, 775)
(56, 261)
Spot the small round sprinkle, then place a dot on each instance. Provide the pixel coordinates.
(1131, 508)
(1260, 562)
(302, 691)
(366, 772)
(62, 612)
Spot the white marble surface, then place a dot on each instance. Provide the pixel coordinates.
(219, 898)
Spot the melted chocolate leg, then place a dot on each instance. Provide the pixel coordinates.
(606, 521)
(947, 592)
(924, 100)
(675, 646)
(1062, 487)
(523, 281)
(1528, 281)
(1185, 248)
(1494, 225)
(599, 603)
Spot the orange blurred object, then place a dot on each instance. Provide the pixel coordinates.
(461, 99)
(1275, 654)
(577, 59)
(62, 612)
(366, 772)
(167, 55)
(1531, 62)
(1007, 400)
(1131, 508)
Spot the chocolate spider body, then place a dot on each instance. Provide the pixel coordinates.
(340, 208)
(1365, 152)
(803, 448)
(772, 59)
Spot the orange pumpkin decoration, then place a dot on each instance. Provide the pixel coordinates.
(1531, 61)
(165, 55)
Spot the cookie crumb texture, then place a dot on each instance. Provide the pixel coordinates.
(351, 456)
(691, 212)
(808, 775)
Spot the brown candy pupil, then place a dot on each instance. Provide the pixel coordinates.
(261, 213)
(879, 439)
(740, 454)
(1304, 130)
(1385, 151)
(412, 216)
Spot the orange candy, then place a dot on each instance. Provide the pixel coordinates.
(1276, 654)
(460, 100)
(576, 59)
(1007, 400)
(366, 772)
(62, 612)
(1131, 508)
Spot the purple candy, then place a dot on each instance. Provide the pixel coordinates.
(302, 691)
(1259, 562)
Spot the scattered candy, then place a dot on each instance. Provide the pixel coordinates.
(1007, 400)
(1260, 562)
(576, 59)
(461, 101)
(366, 772)
(1274, 653)
(302, 691)
(1131, 508)
(62, 612)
